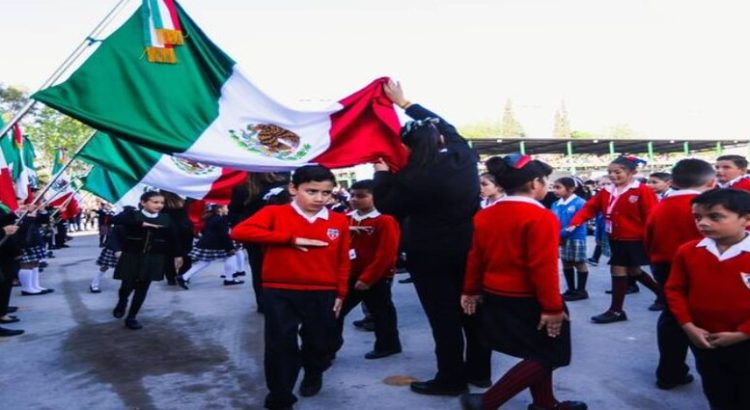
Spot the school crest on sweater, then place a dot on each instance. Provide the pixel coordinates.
(633, 199)
(745, 279)
(332, 233)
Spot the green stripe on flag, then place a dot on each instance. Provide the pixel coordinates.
(107, 185)
(117, 155)
(161, 106)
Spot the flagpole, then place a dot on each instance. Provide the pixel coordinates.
(64, 204)
(87, 42)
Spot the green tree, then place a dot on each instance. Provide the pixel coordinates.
(509, 126)
(12, 99)
(484, 129)
(51, 130)
(562, 123)
(582, 134)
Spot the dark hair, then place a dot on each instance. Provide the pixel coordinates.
(150, 194)
(663, 176)
(310, 173)
(172, 200)
(489, 176)
(210, 210)
(365, 185)
(734, 200)
(629, 162)
(737, 160)
(574, 184)
(513, 179)
(423, 139)
(692, 173)
(256, 183)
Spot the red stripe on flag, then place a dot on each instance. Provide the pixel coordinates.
(173, 12)
(7, 192)
(367, 128)
(221, 189)
(18, 135)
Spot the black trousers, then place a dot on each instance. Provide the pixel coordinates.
(380, 306)
(725, 372)
(290, 314)
(672, 341)
(438, 279)
(8, 271)
(62, 233)
(255, 260)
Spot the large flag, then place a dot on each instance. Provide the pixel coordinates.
(113, 187)
(184, 96)
(59, 162)
(148, 167)
(19, 154)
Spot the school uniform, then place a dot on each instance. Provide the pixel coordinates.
(518, 285)
(625, 216)
(112, 245)
(440, 202)
(9, 251)
(373, 256)
(573, 244)
(712, 291)
(741, 182)
(214, 244)
(669, 226)
(299, 290)
(31, 238)
(184, 230)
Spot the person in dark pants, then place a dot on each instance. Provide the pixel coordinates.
(260, 190)
(148, 237)
(9, 251)
(668, 227)
(438, 190)
(175, 208)
(305, 275)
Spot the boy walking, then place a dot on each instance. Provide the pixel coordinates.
(305, 280)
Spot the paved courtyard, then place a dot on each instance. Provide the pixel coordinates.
(202, 349)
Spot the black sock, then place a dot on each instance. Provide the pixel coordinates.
(632, 281)
(583, 276)
(619, 286)
(141, 289)
(649, 282)
(570, 279)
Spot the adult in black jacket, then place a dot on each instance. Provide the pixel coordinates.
(438, 191)
(176, 208)
(8, 266)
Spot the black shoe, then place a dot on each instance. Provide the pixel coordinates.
(629, 291)
(471, 401)
(669, 385)
(609, 317)
(93, 289)
(119, 310)
(311, 384)
(434, 388)
(238, 274)
(481, 383)
(656, 307)
(43, 264)
(368, 326)
(361, 322)
(10, 332)
(592, 262)
(233, 282)
(12, 309)
(24, 293)
(379, 354)
(182, 282)
(12, 319)
(46, 291)
(132, 324)
(171, 282)
(563, 405)
(576, 295)
(407, 280)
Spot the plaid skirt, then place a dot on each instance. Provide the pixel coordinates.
(33, 254)
(201, 254)
(573, 250)
(107, 258)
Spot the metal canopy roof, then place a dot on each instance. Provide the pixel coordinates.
(534, 146)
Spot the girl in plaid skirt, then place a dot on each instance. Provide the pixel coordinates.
(572, 244)
(108, 256)
(33, 250)
(214, 244)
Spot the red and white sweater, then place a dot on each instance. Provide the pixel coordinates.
(374, 251)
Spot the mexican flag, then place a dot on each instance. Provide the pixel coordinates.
(114, 188)
(159, 82)
(7, 192)
(62, 186)
(19, 154)
(145, 166)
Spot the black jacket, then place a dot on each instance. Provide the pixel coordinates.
(138, 239)
(440, 200)
(30, 231)
(241, 206)
(9, 250)
(215, 234)
(183, 227)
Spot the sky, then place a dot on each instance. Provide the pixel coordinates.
(668, 69)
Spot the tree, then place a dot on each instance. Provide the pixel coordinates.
(51, 130)
(618, 131)
(562, 124)
(509, 126)
(12, 99)
(582, 134)
(482, 129)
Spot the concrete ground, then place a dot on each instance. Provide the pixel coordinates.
(202, 349)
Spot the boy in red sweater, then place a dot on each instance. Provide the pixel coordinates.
(373, 252)
(708, 291)
(668, 227)
(305, 280)
(731, 172)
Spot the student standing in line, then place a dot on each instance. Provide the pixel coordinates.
(572, 244)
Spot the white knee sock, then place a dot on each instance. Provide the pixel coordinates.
(35, 280)
(24, 276)
(197, 267)
(230, 267)
(98, 278)
(241, 258)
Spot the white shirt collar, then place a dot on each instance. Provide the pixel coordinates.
(732, 182)
(734, 250)
(567, 200)
(680, 192)
(359, 218)
(149, 214)
(322, 214)
(613, 190)
(519, 198)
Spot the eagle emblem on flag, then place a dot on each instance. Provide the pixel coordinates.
(271, 140)
(193, 167)
(332, 233)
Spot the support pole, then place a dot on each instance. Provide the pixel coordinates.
(611, 148)
(570, 157)
(522, 147)
(686, 148)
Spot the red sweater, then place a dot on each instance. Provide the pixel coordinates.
(627, 216)
(670, 225)
(287, 267)
(373, 254)
(743, 183)
(514, 253)
(712, 294)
